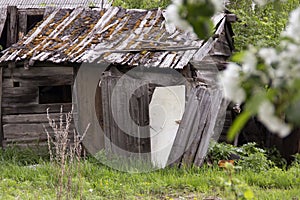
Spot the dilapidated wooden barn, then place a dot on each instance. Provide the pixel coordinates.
(38, 72)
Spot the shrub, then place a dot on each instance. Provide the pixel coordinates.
(262, 26)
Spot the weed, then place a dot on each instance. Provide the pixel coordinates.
(65, 152)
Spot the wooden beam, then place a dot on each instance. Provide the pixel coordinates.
(22, 26)
(3, 15)
(231, 18)
(12, 31)
(1, 128)
(33, 11)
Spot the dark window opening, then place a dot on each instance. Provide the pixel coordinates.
(55, 94)
(16, 84)
(32, 20)
(3, 37)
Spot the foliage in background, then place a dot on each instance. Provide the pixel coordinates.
(262, 26)
(141, 4)
(250, 156)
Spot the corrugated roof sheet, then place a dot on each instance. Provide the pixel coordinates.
(54, 3)
(120, 36)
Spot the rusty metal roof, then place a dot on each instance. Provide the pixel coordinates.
(120, 36)
(54, 3)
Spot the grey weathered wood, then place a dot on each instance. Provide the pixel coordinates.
(22, 26)
(231, 18)
(28, 118)
(186, 129)
(23, 130)
(216, 97)
(118, 141)
(22, 108)
(55, 80)
(3, 15)
(35, 72)
(19, 91)
(28, 130)
(196, 128)
(200, 123)
(33, 11)
(106, 120)
(1, 130)
(12, 30)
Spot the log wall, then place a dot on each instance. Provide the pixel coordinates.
(22, 114)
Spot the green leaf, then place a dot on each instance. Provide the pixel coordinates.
(238, 124)
(253, 103)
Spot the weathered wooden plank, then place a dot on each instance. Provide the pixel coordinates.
(38, 71)
(33, 11)
(23, 130)
(216, 100)
(200, 124)
(29, 130)
(19, 91)
(12, 31)
(3, 15)
(22, 26)
(29, 118)
(132, 140)
(34, 108)
(1, 131)
(186, 129)
(37, 140)
(38, 145)
(20, 99)
(106, 119)
(39, 81)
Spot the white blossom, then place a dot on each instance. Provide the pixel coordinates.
(231, 83)
(266, 115)
(219, 5)
(249, 62)
(173, 16)
(260, 2)
(269, 55)
(293, 27)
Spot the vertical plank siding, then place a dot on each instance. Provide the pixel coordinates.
(196, 127)
(118, 141)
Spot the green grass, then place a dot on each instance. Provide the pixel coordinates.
(19, 180)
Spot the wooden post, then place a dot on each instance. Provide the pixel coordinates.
(22, 26)
(12, 30)
(1, 128)
(3, 13)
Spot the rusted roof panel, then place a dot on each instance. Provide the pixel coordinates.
(116, 35)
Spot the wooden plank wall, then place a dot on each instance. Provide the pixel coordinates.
(17, 22)
(119, 142)
(22, 115)
(196, 127)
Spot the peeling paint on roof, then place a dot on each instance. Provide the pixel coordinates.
(116, 35)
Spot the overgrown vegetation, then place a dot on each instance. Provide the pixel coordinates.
(262, 26)
(248, 156)
(22, 179)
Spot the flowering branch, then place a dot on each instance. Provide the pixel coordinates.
(267, 81)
